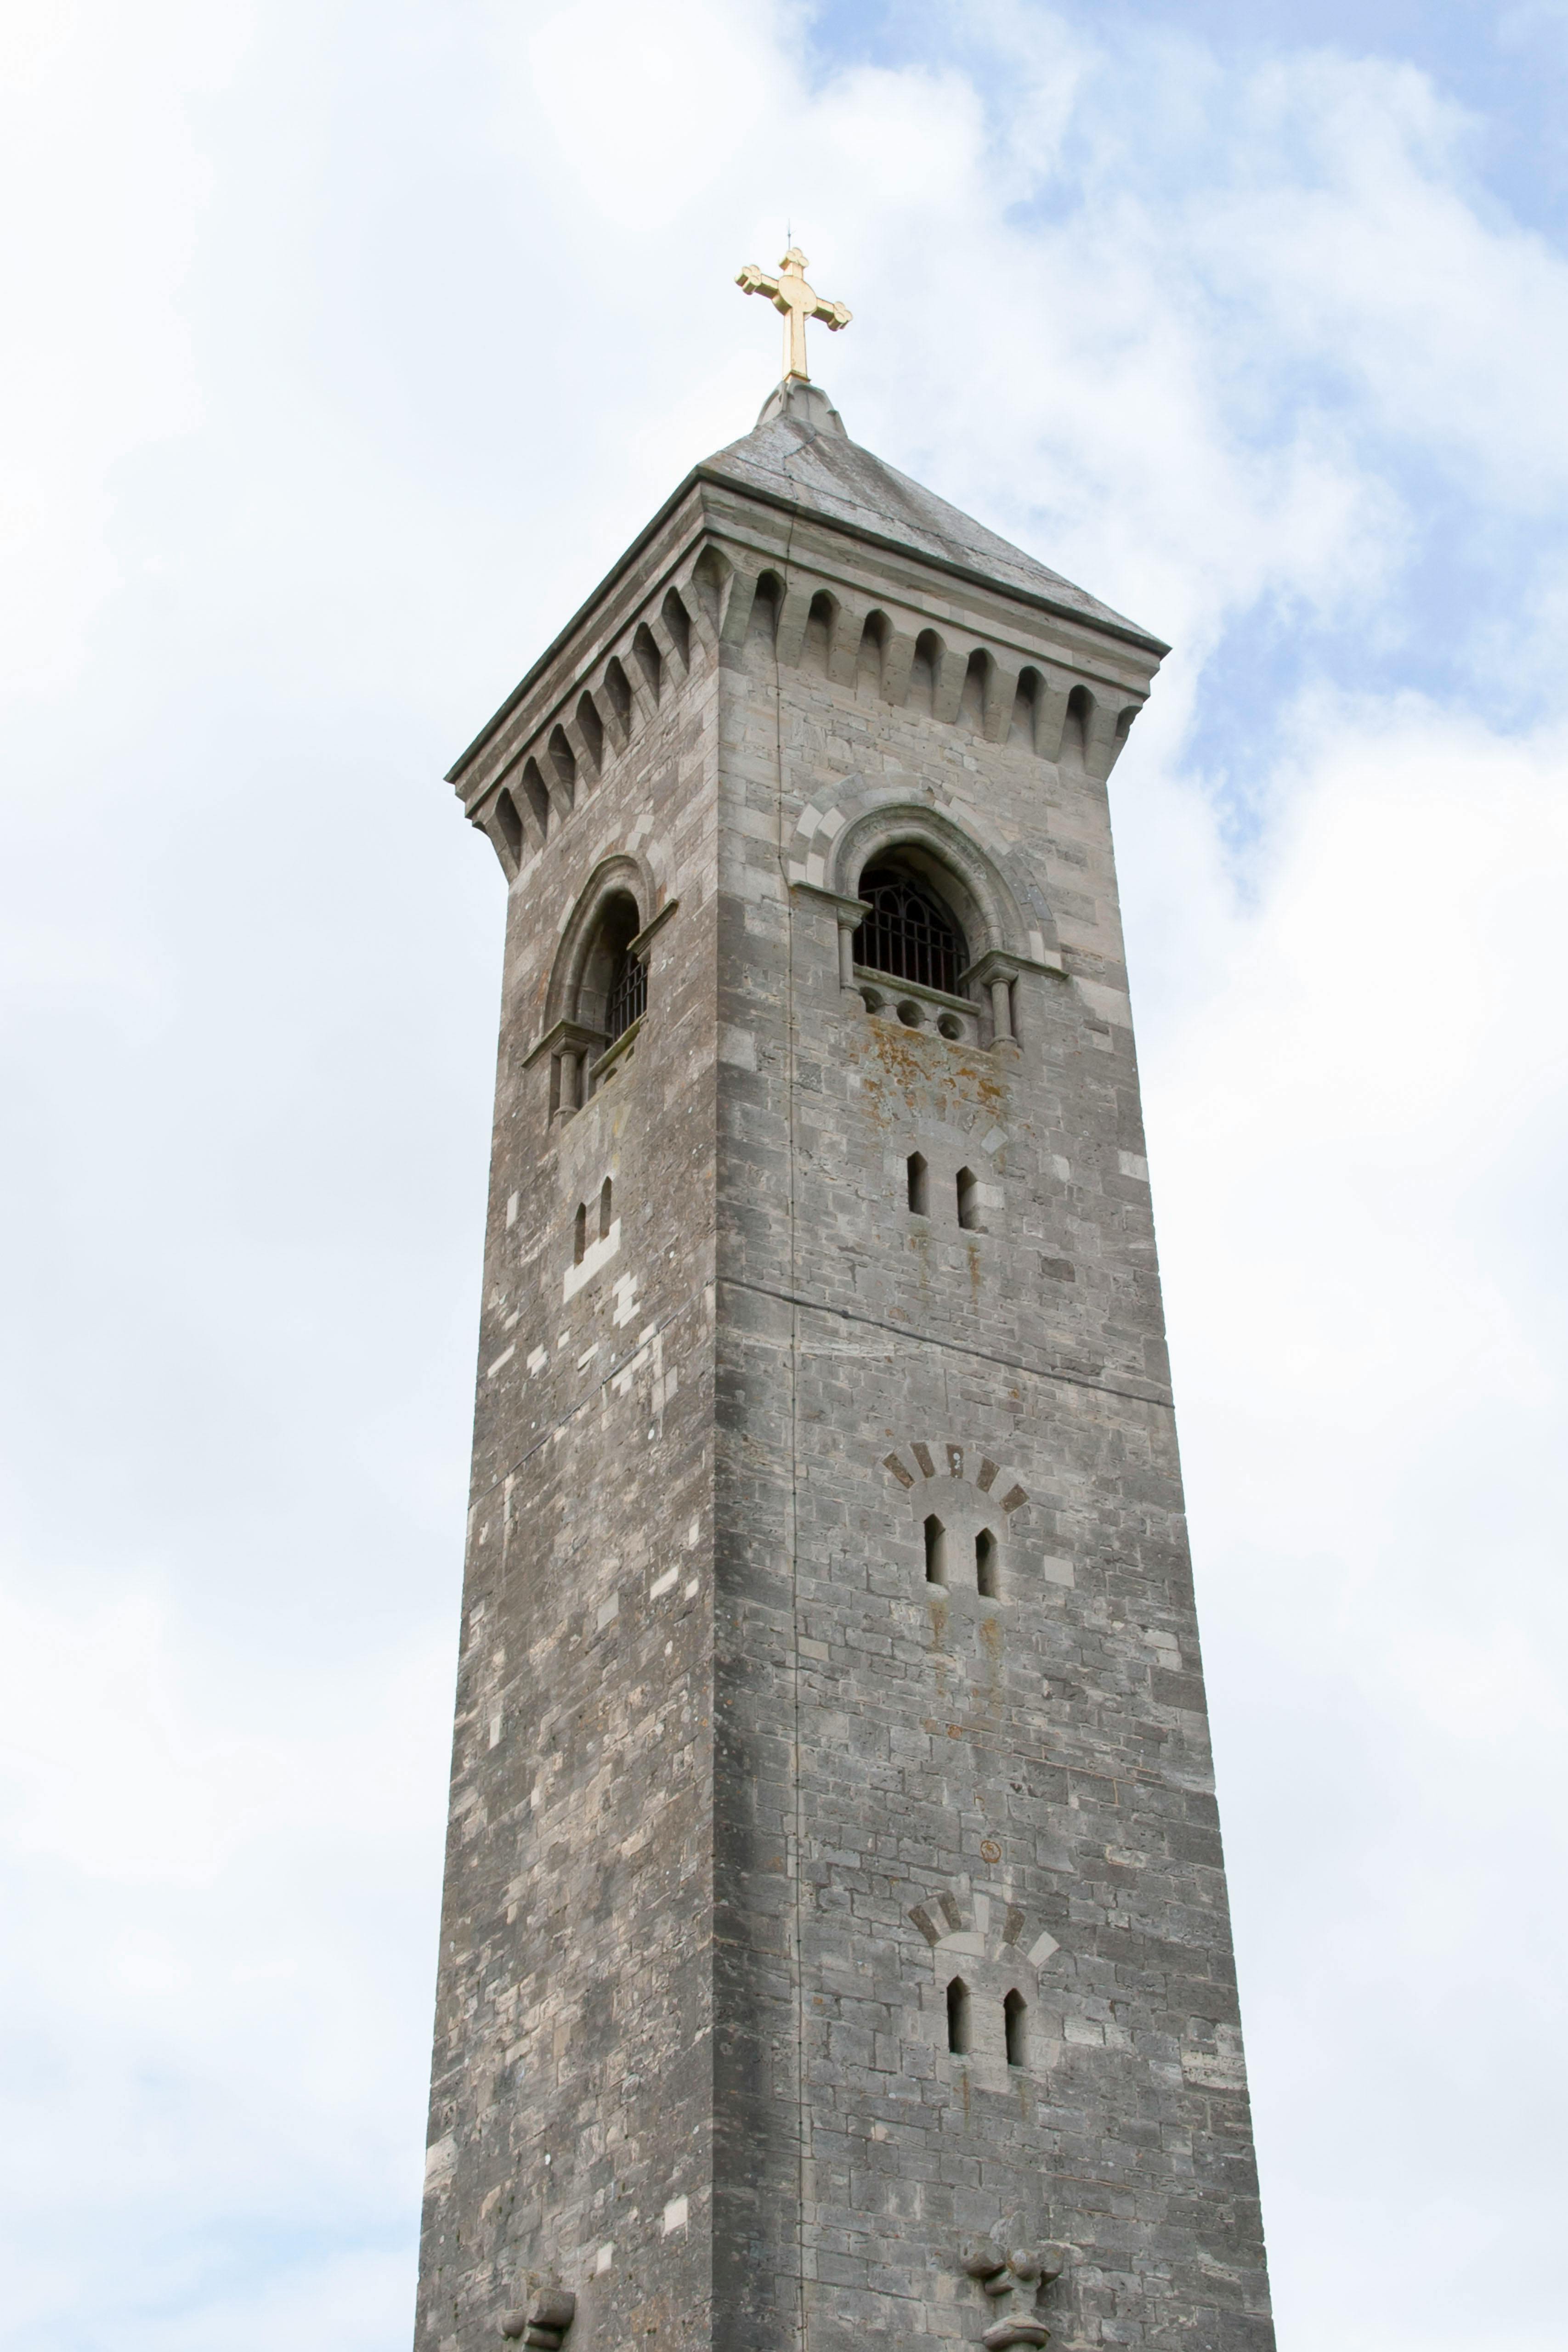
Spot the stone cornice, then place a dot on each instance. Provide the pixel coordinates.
(1000, 963)
(851, 911)
(569, 1037)
(707, 492)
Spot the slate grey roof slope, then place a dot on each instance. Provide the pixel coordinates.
(798, 453)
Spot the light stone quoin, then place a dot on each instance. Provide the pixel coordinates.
(834, 1944)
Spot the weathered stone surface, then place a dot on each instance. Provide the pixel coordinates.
(739, 1792)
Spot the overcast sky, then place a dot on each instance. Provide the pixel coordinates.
(345, 346)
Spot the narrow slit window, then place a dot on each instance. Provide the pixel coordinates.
(1016, 2024)
(605, 1211)
(986, 1582)
(958, 2018)
(580, 1233)
(968, 1201)
(920, 1187)
(936, 1551)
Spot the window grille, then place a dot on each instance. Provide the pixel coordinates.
(907, 934)
(629, 994)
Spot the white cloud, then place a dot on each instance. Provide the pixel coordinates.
(101, 183)
(343, 369)
(647, 111)
(1345, 1116)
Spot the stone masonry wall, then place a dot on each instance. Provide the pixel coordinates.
(739, 1791)
(1015, 1791)
(569, 2126)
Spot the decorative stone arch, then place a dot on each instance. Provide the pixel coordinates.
(964, 1491)
(980, 1929)
(969, 1466)
(993, 1950)
(622, 873)
(962, 1506)
(845, 825)
(936, 845)
(1007, 924)
(579, 1047)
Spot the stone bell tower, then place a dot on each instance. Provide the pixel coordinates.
(834, 1944)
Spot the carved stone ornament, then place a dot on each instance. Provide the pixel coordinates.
(1028, 2273)
(550, 2313)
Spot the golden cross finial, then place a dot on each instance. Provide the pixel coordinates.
(790, 293)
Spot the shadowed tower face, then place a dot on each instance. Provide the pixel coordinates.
(835, 1941)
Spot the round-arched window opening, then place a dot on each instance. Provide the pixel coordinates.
(908, 932)
(614, 991)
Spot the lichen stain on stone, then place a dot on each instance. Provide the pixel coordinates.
(918, 1063)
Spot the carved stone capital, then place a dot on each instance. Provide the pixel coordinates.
(851, 912)
(1000, 963)
(549, 2313)
(565, 1037)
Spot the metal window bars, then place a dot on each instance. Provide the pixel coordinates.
(907, 934)
(629, 995)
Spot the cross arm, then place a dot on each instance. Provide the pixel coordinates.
(752, 280)
(833, 314)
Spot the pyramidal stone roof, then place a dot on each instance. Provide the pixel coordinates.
(798, 454)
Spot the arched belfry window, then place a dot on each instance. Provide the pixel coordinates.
(613, 989)
(908, 932)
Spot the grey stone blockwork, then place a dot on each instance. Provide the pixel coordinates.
(749, 1773)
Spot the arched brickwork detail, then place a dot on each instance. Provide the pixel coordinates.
(974, 1928)
(845, 824)
(969, 1464)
